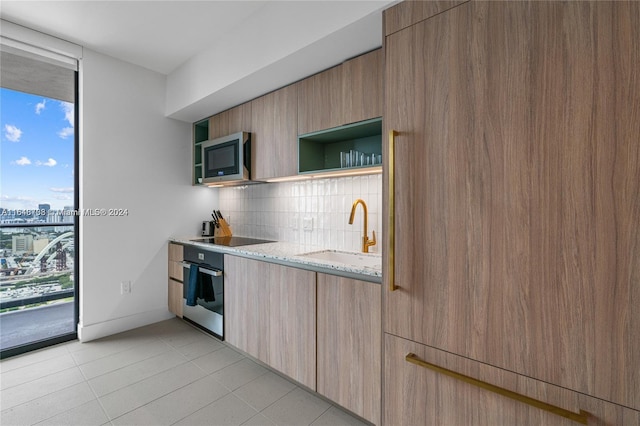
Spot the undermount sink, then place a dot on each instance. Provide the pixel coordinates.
(348, 258)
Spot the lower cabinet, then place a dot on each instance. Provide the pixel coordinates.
(349, 344)
(417, 395)
(175, 297)
(270, 313)
(176, 256)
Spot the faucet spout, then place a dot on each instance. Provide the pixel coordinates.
(366, 243)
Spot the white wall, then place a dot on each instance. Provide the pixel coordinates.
(277, 211)
(131, 157)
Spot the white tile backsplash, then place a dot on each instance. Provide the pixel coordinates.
(278, 211)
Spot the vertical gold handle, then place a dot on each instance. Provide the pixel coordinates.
(392, 209)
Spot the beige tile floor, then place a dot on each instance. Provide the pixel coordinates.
(162, 374)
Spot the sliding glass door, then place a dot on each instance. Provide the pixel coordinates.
(38, 203)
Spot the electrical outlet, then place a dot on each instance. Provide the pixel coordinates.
(200, 256)
(125, 287)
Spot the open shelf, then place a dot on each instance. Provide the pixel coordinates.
(325, 150)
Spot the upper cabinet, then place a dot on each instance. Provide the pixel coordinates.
(274, 134)
(320, 101)
(234, 120)
(362, 87)
(347, 93)
(516, 190)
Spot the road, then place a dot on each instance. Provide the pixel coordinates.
(20, 327)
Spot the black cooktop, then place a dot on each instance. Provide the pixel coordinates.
(232, 241)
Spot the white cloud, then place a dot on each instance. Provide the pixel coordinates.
(64, 190)
(63, 197)
(40, 106)
(69, 112)
(49, 163)
(12, 133)
(17, 202)
(69, 116)
(23, 161)
(66, 132)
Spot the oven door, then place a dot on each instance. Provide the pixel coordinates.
(208, 313)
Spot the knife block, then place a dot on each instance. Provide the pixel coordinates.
(224, 230)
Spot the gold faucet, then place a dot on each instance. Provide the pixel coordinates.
(365, 239)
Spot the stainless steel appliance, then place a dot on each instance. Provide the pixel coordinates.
(208, 227)
(227, 159)
(207, 311)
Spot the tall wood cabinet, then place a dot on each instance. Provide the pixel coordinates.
(270, 313)
(517, 191)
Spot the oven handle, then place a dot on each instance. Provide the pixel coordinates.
(212, 272)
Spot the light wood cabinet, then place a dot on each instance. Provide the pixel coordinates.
(270, 313)
(362, 87)
(275, 130)
(347, 93)
(320, 101)
(418, 396)
(175, 282)
(517, 190)
(233, 120)
(349, 344)
(412, 12)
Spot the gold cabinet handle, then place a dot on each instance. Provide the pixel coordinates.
(392, 209)
(582, 417)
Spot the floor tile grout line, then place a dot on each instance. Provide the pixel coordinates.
(174, 390)
(44, 395)
(94, 393)
(129, 365)
(142, 380)
(39, 377)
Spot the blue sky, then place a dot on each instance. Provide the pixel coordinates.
(36, 151)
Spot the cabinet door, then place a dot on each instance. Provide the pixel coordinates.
(362, 87)
(415, 395)
(233, 120)
(517, 188)
(246, 306)
(292, 323)
(275, 134)
(176, 272)
(320, 101)
(349, 344)
(270, 313)
(176, 256)
(175, 297)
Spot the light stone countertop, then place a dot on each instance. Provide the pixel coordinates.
(288, 254)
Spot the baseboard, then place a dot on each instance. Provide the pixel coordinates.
(90, 332)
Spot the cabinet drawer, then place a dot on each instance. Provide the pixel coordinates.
(416, 395)
(175, 297)
(176, 252)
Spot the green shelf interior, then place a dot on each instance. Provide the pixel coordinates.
(201, 131)
(320, 151)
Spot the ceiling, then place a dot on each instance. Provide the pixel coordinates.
(167, 36)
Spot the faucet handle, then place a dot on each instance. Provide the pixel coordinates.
(373, 241)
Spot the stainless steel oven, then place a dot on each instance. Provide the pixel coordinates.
(203, 293)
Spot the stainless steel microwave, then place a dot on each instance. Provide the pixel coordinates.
(227, 159)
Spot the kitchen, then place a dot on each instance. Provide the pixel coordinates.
(171, 202)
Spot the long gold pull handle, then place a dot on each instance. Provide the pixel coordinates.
(391, 273)
(582, 417)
